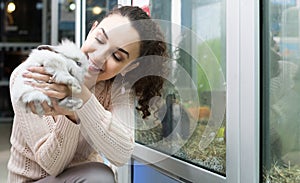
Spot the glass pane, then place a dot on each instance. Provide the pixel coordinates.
(66, 19)
(190, 116)
(281, 125)
(96, 10)
(17, 25)
(20, 31)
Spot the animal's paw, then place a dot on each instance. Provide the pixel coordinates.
(37, 98)
(76, 88)
(73, 84)
(71, 103)
(71, 81)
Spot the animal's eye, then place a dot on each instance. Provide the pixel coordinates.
(78, 63)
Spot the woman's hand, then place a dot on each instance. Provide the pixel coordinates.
(45, 84)
(53, 110)
(56, 91)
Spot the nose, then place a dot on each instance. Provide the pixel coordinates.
(101, 55)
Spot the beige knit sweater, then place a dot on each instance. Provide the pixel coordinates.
(42, 146)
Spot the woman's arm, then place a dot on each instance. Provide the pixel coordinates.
(110, 133)
(53, 144)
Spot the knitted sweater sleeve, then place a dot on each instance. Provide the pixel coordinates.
(52, 144)
(110, 133)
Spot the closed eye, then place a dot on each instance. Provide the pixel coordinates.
(119, 54)
(117, 57)
(101, 36)
(99, 40)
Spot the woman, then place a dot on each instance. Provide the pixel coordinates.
(65, 146)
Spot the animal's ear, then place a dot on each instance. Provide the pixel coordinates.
(46, 47)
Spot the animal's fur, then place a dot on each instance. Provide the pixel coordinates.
(66, 63)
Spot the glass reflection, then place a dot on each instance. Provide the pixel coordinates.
(281, 137)
(186, 127)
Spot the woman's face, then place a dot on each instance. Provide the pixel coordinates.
(110, 46)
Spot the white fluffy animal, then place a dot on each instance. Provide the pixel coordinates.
(65, 62)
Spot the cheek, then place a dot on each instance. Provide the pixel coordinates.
(113, 67)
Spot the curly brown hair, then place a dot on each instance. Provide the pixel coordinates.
(151, 44)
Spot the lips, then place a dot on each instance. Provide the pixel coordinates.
(93, 67)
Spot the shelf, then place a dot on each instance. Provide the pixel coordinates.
(4, 83)
(6, 119)
(19, 44)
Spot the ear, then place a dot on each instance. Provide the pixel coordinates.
(129, 68)
(46, 47)
(95, 24)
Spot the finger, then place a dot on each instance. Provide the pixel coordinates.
(36, 76)
(48, 109)
(32, 107)
(55, 105)
(55, 94)
(39, 86)
(38, 69)
(58, 91)
(60, 88)
(61, 110)
(48, 86)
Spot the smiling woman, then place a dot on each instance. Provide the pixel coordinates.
(65, 145)
(108, 50)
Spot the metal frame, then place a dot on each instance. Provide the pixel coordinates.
(174, 167)
(125, 2)
(249, 91)
(80, 19)
(242, 44)
(44, 20)
(233, 91)
(54, 22)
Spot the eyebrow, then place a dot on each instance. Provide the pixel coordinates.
(120, 49)
(104, 33)
(124, 51)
